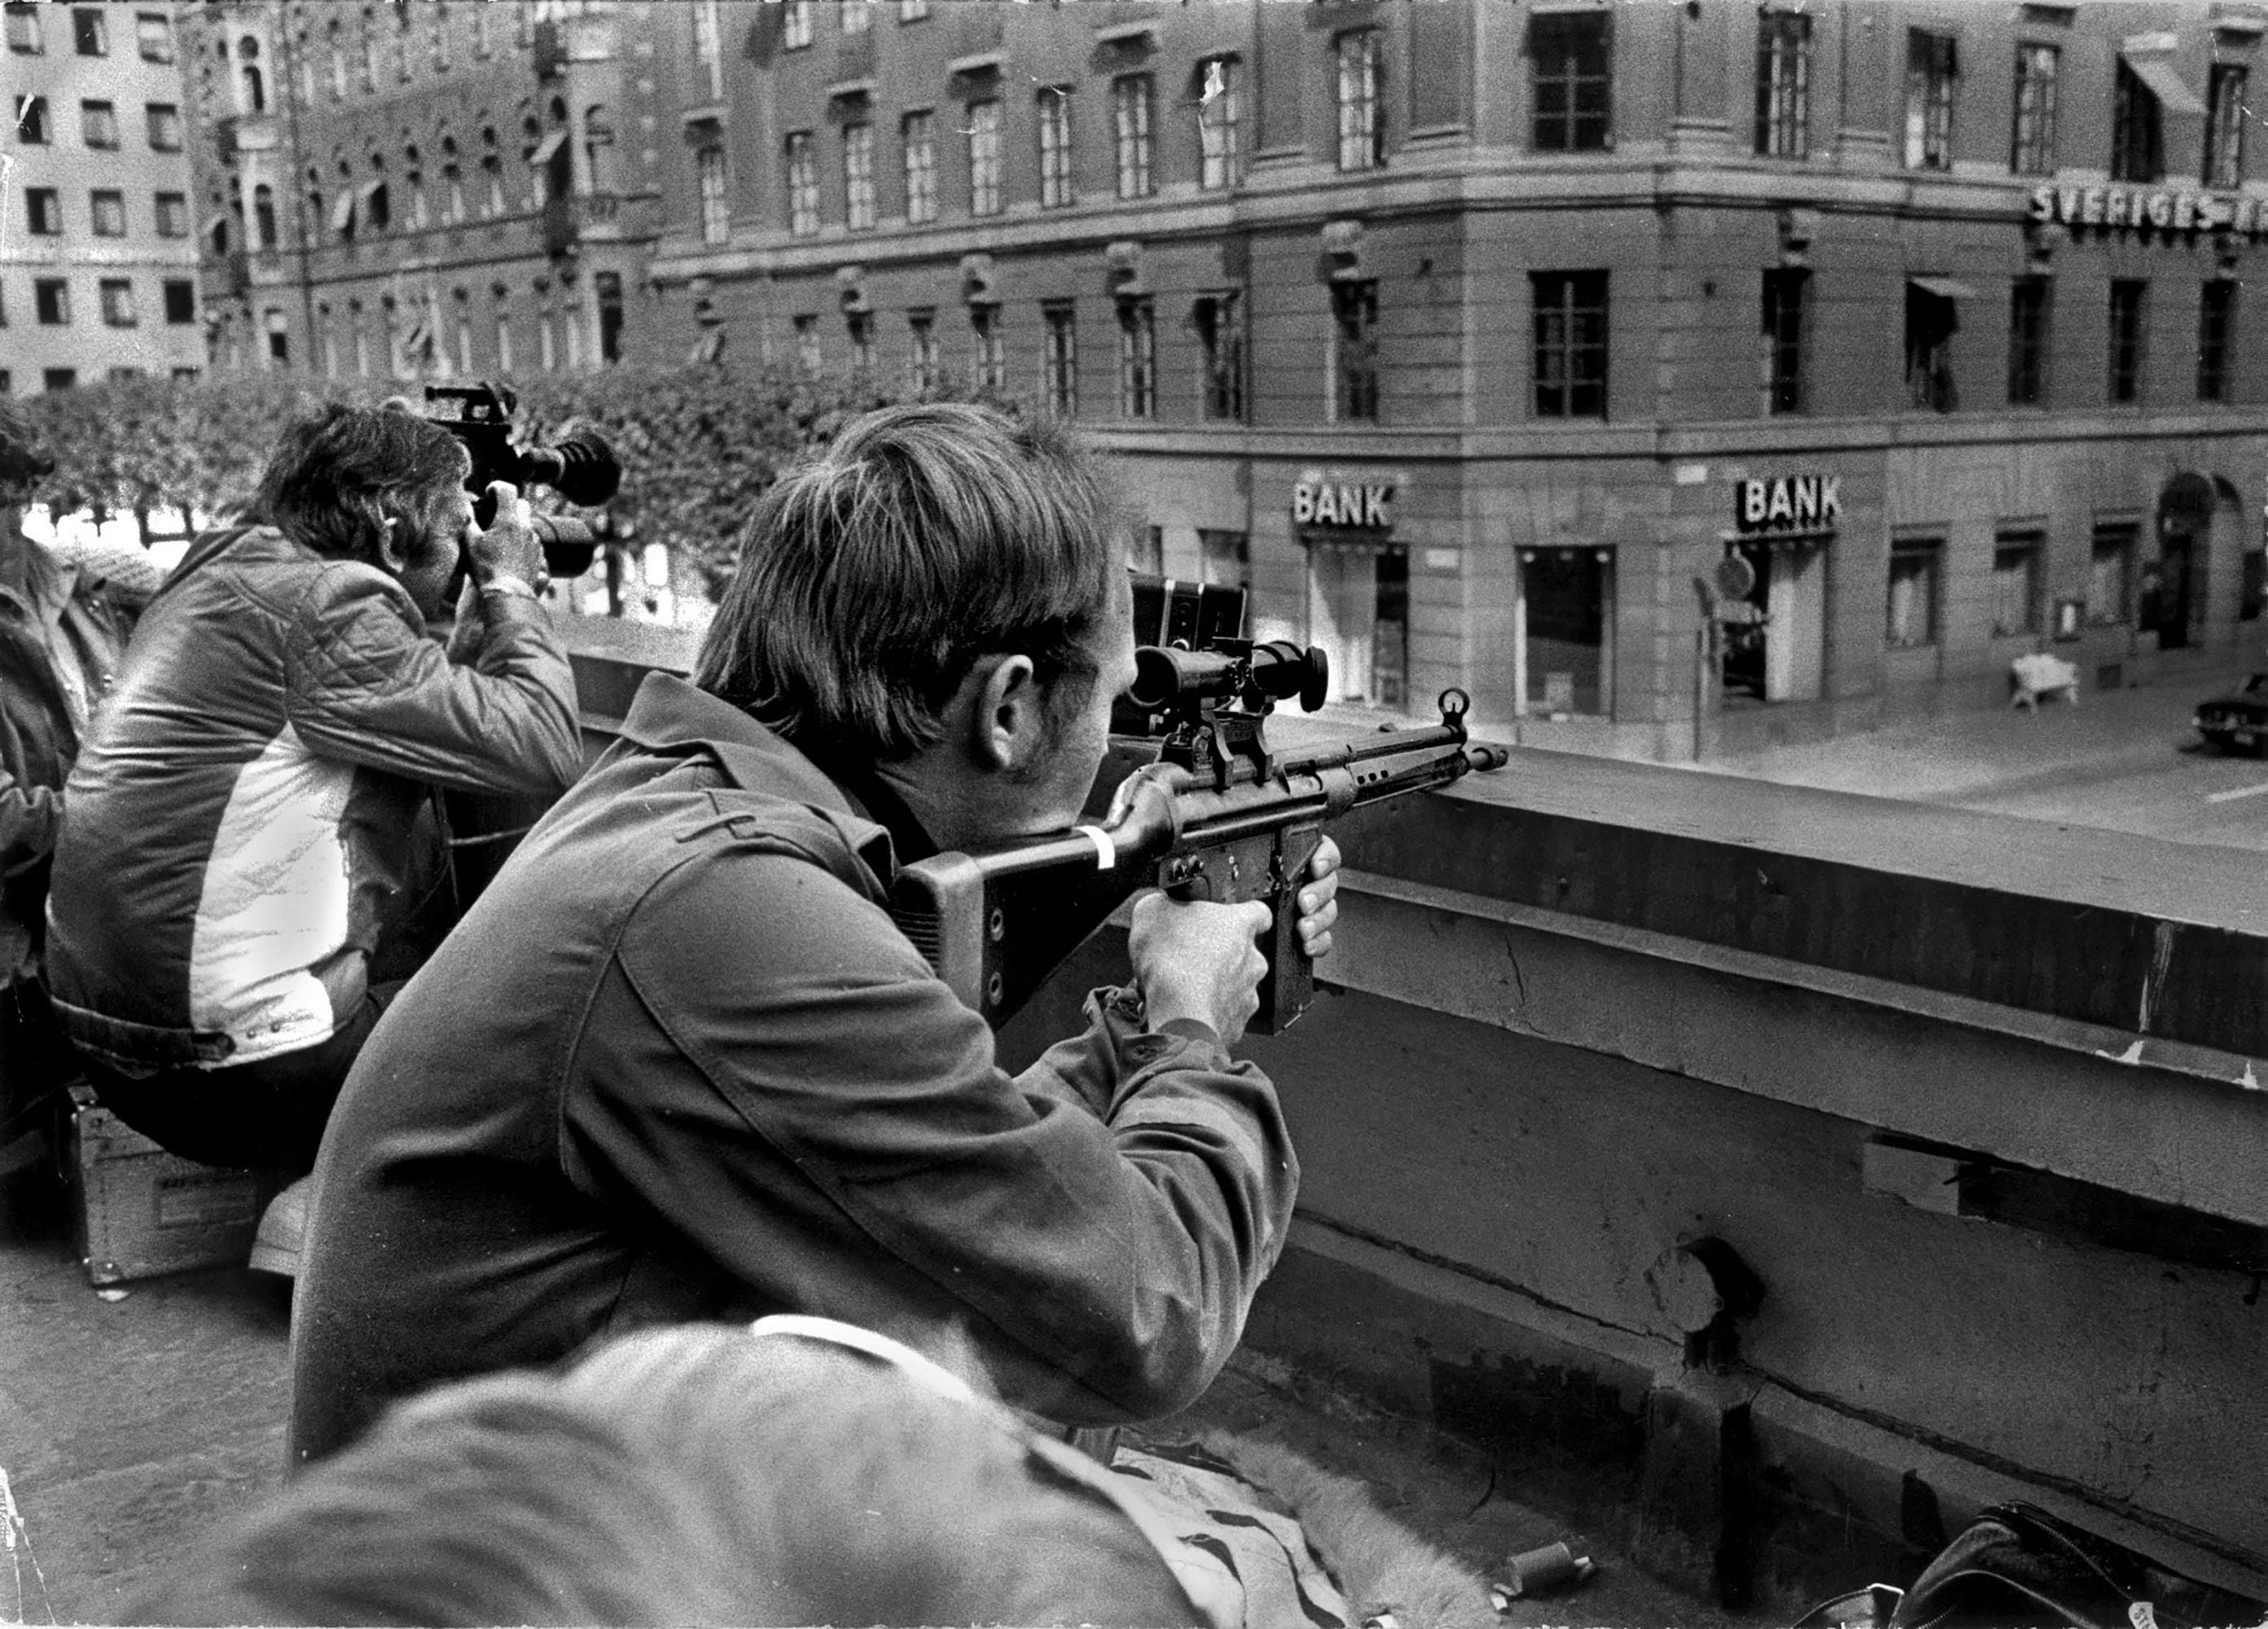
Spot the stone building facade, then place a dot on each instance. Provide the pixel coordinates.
(98, 268)
(1463, 331)
(423, 190)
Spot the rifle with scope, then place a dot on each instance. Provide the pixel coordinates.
(1217, 816)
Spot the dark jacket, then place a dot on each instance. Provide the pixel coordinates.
(41, 726)
(677, 1062)
(241, 823)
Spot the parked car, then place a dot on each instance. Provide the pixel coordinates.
(2238, 719)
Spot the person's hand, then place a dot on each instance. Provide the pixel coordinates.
(1319, 901)
(1197, 959)
(509, 546)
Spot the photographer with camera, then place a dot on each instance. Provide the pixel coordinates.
(252, 813)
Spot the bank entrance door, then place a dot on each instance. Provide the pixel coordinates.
(1358, 611)
(2176, 557)
(1775, 637)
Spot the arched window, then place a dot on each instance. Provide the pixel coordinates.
(502, 297)
(314, 206)
(377, 205)
(338, 59)
(492, 172)
(452, 182)
(599, 150)
(220, 235)
(413, 183)
(263, 215)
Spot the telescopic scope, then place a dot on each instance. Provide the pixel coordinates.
(1167, 678)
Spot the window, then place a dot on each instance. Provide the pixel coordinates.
(2032, 145)
(1362, 126)
(1053, 107)
(921, 351)
(2016, 583)
(858, 16)
(1130, 100)
(859, 176)
(1137, 358)
(1060, 363)
(51, 301)
(89, 31)
(279, 337)
(2028, 308)
(716, 209)
(912, 10)
(1571, 343)
(1571, 87)
(1933, 318)
(153, 36)
(32, 121)
(609, 287)
(1783, 85)
(921, 168)
(172, 215)
(440, 48)
(708, 45)
(858, 325)
(1930, 72)
(1354, 351)
(164, 125)
(2137, 145)
(802, 185)
(58, 379)
(263, 215)
(181, 301)
(2216, 328)
(984, 158)
(503, 360)
(43, 211)
(97, 125)
(1787, 332)
(1914, 570)
(1220, 331)
(990, 352)
(1220, 122)
(2110, 574)
(2223, 126)
(795, 25)
(109, 211)
(2126, 301)
(24, 28)
(482, 42)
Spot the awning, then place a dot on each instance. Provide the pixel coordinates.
(2158, 73)
(550, 145)
(1944, 288)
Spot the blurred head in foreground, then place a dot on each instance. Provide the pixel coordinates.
(801, 1473)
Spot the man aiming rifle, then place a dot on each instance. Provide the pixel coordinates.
(679, 1064)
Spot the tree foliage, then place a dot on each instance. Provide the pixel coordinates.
(697, 443)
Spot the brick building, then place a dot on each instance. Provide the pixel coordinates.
(98, 271)
(1475, 336)
(421, 190)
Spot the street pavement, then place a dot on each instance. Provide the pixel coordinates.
(2120, 761)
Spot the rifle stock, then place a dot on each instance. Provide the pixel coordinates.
(996, 923)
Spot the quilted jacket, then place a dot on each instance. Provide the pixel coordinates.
(240, 818)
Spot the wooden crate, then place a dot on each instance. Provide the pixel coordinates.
(140, 1210)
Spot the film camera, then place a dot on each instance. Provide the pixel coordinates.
(581, 468)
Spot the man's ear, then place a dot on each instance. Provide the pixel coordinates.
(391, 547)
(1008, 720)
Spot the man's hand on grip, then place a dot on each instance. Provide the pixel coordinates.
(1318, 900)
(1197, 959)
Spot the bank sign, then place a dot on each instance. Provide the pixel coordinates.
(1324, 502)
(2141, 206)
(1787, 504)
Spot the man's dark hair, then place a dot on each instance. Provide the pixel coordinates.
(873, 577)
(338, 475)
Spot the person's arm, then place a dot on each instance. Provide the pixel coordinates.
(29, 816)
(366, 686)
(844, 1143)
